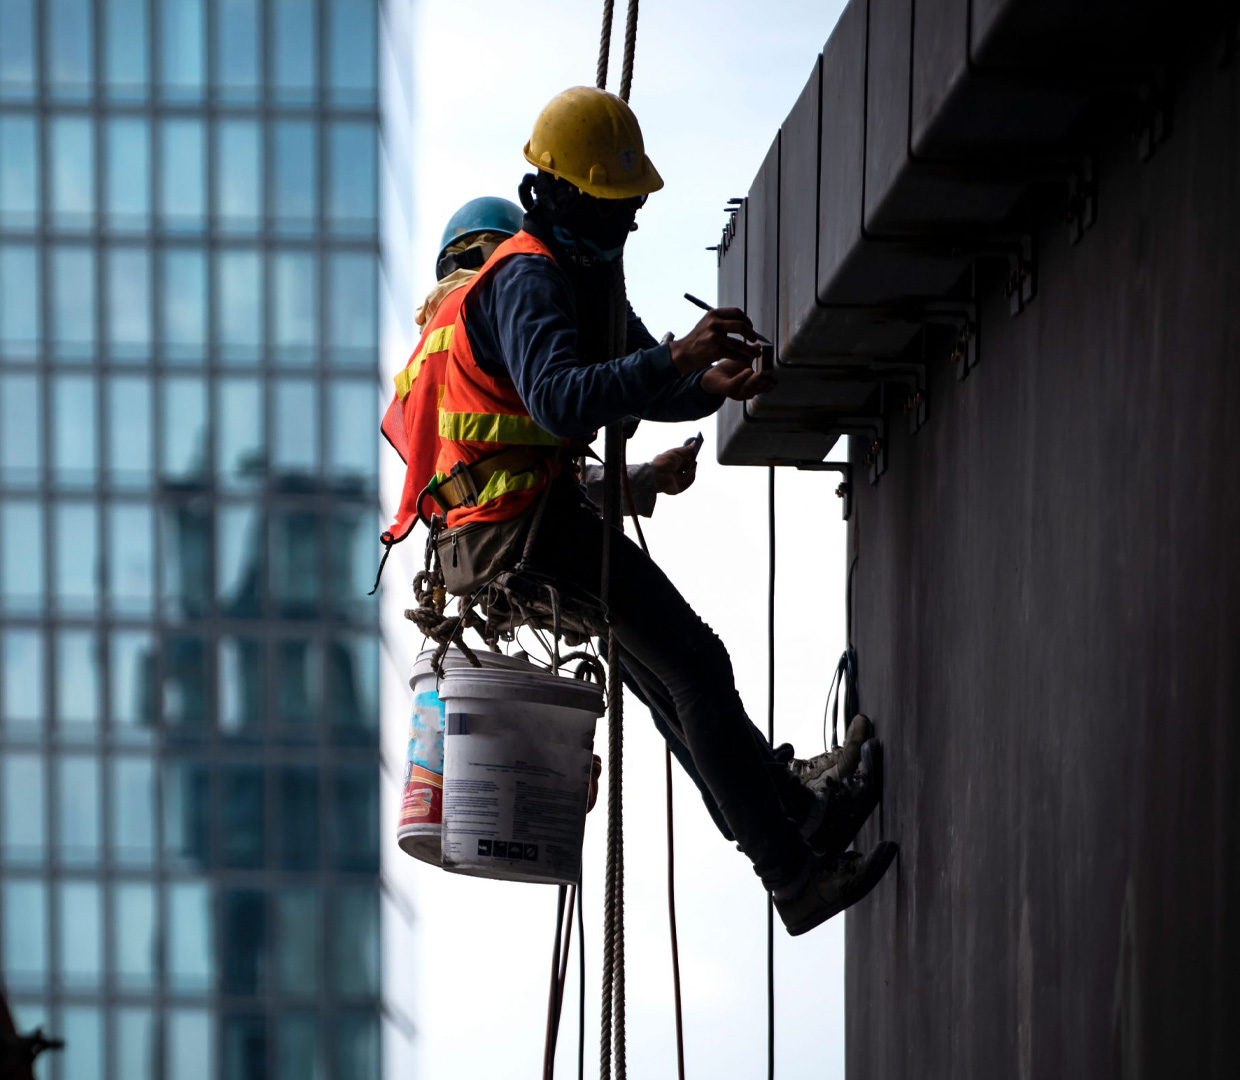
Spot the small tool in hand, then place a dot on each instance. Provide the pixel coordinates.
(706, 307)
(695, 443)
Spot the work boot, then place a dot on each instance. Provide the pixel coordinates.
(842, 806)
(828, 884)
(838, 763)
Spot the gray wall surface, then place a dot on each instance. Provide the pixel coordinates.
(1047, 616)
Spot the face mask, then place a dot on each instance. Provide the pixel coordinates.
(598, 228)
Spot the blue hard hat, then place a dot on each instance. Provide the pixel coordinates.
(487, 214)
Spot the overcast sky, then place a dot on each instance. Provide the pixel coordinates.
(713, 81)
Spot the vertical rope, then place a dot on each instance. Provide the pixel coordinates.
(604, 46)
(770, 735)
(630, 47)
(671, 916)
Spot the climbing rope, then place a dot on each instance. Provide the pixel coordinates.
(770, 738)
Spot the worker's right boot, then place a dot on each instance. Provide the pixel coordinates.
(842, 807)
(827, 884)
(838, 763)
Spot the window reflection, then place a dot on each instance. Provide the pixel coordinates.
(355, 943)
(182, 43)
(134, 935)
(296, 308)
(357, 1046)
(353, 459)
(17, 53)
(355, 824)
(294, 48)
(73, 430)
(184, 328)
(351, 561)
(352, 51)
(82, 1029)
(77, 679)
(241, 686)
(352, 314)
(245, 1048)
(238, 35)
(185, 559)
(76, 551)
(135, 1044)
(298, 945)
(133, 810)
(188, 1044)
(21, 556)
(21, 688)
(184, 447)
(189, 942)
(20, 305)
(131, 556)
(243, 935)
(352, 189)
(299, 817)
(129, 431)
(185, 681)
(129, 303)
(239, 292)
(25, 934)
(125, 48)
(132, 672)
(72, 174)
(81, 937)
(295, 562)
(297, 1047)
(69, 47)
(127, 179)
(73, 302)
(297, 686)
(294, 172)
(239, 432)
(182, 158)
(353, 687)
(187, 813)
(238, 174)
(242, 816)
(22, 801)
(295, 439)
(20, 425)
(78, 810)
(19, 172)
(239, 567)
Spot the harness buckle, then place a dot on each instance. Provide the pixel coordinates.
(465, 479)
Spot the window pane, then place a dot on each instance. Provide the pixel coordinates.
(294, 171)
(355, 824)
(297, 686)
(296, 304)
(239, 568)
(21, 688)
(133, 811)
(353, 687)
(17, 55)
(353, 311)
(299, 817)
(25, 934)
(83, 1034)
(239, 432)
(21, 556)
(20, 423)
(185, 682)
(295, 441)
(127, 181)
(125, 59)
(73, 431)
(244, 933)
(245, 1048)
(238, 27)
(77, 677)
(129, 431)
(185, 565)
(182, 156)
(75, 535)
(185, 431)
(238, 174)
(20, 306)
(131, 576)
(81, 937)
(135, 1044)
(189, 1045)
(183, 41)
(355, 943)
(357, 1047)
(295, 49)
(129, 303)
(19, 172)
(187, 808)
(239, 292)
(353, 412)
(242, 685)
(185, 304)
(24, 834)
(243, 817)
(69, 46)
(78, 810)
(72, 179)
(351, 51)
(300, 935)
(351, 185)
(351, 561)
(189, 938)
(295, 562)
(133, 681)
(73, 303)
(297, 1047)
(133, 911)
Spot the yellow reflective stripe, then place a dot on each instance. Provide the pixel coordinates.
(493, 427)
(437, 341)
(504, 483)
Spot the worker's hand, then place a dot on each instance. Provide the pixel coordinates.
(596, 770)
(735, 379)
(709, 341)
(674, 470)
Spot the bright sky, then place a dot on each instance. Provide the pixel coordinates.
(713, 81)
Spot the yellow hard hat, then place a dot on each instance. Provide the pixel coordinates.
(592, 139)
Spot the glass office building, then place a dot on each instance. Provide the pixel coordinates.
(189, 319)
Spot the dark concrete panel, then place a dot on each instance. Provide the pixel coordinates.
(1047, 614)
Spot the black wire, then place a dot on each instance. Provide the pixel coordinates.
(770, 735)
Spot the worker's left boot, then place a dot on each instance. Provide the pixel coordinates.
(838, 763)
(842, 806)
(827, 884)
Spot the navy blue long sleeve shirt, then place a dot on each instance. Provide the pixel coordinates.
(522, 322)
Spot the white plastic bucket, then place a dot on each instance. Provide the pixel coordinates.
(517, 761)
(420, 822)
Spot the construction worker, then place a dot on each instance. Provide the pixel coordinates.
(527, 379)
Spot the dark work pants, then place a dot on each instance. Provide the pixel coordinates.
(683, 671)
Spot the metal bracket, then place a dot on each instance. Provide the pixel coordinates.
(1082, 209)
(843, 489)
(912, 376)
(874, 425)
(1154, 122)
(962, 316)
(1021, 285)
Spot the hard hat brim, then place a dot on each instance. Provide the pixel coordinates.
(646, 182)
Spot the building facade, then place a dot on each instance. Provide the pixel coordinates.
(189, 329)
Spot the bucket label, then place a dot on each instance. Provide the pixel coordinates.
(422, 795)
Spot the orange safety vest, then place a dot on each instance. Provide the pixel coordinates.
(411, 423)
(480, 415)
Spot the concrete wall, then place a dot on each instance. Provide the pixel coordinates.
(1047, 613)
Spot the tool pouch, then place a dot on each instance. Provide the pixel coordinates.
(473, 553)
